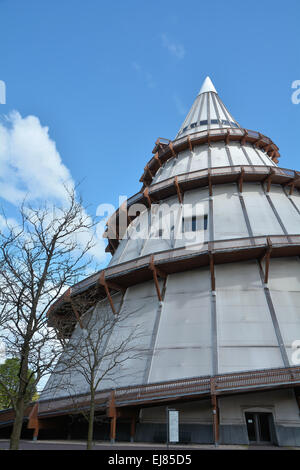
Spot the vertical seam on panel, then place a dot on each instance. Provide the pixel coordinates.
(291, 201)
(246, 155)
(229, 155)
(152, 346)
(257, 153)
(274, 319)
(245, 213)
(275, 211)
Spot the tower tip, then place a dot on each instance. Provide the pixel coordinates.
(207, 86)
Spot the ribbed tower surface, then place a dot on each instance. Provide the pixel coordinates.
(216, 286)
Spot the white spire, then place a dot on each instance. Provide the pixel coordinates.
(207, 86)
(207, 112)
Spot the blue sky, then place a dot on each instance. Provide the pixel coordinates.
(108, 78)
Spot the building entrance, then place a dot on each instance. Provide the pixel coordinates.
(259, 427)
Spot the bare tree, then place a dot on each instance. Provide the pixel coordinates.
(105, 348)
(47, 252)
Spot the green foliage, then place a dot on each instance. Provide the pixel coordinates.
(9, 382)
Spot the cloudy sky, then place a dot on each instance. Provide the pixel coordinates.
(91, 85)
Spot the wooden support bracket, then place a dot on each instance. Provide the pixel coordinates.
(215, 410)
(241, 179)
(190, 143)
(156, 157)
(107, 285)
(243, 140)
(156, 272)
(212, 269)
(227, 137)
(146, 195)
(266, 257)
(172, 149)
(178, 190)
(268, 180)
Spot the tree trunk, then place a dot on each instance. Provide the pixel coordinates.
(19, 407)
(18, 423)
(89, 444)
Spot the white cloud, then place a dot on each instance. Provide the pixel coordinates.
(174, 48)
(30, 164)
(32, 168)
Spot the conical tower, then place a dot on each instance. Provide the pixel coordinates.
(206, 256)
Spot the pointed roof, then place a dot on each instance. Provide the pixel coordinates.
(207, 112)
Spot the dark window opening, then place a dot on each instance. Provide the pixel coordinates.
(214, 121)
(203, 123)
(259, 427)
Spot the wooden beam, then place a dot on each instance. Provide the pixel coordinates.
(266, 258)
(172, 149)
(212, 270)
(156, 157)
(241, 179)
(190, 143)
(268, 180)
(179, 195)
(215, 410)
(146, 195)
(243, 140)
(227, 137)
(156, 272)
(103, 283)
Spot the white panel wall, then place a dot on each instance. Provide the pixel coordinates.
(285, 209)
(284, 285)
(246, 336)
(181, 163)
(140, 308)
(167, 215)
(183, 346)
(200, 158)
(281, 403)
(262, 218)
(237, 154)
(219, 155)
(229, 221)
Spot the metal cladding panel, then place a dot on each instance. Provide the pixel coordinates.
(284, 285)
(218, 155)
(295, 197)
(287, 212)
(183, 346)
(139, 309)
(166, 214)
(136, 234)
(181, 163)
(164, 172)
(237, 154)
(200, 158)
(195, 203)
(262, 218)
(234, 359)
(229, 223)
(246, 336)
